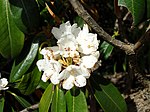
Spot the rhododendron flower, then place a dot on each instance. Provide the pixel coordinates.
(50, 68)
(74, 75)
(71, 62)
(68, 46)
(88, 42)
(3, 83)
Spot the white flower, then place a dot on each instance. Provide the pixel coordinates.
(71, 62)
(51, 69)
(65, 29)
(68, 46)
(88, 42)
(3, 84)
(74, 75)
(50, 52)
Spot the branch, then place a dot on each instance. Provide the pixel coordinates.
(142, 40)
(128, 48)
(31, 108)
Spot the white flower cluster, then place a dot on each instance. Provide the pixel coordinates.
(72, 61)
(3, 83)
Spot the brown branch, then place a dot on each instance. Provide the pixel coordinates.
(128, 48)
(142, 40)
(31, 108)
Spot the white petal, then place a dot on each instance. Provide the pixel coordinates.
(91, 61)
(85, 72)
(54, 79)
(64, 74)
(68, 46)
(3, 88)
(56, 32)
(88, 42)
(75, 30)
(41, 64)
(50, 52)
(80, 81)
(3, 82)
(44, 78)
(68, 83)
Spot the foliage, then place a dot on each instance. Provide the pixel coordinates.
(25, 28)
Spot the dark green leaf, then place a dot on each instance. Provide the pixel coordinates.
(79, 21)
(76, 101)
(46, 99)
(2, 100)
(19, 70)
(107, 95)
(136, 7)
(25, 14)
(21, 100)
(148, 9)
(43, 85)
(11, 38)
(29, 82)
(106, 49)
(58, 102)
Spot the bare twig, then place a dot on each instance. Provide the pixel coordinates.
(128, 48)
(31, 108)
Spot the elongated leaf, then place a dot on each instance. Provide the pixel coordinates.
(148, 9)
(26, 14)
(11, 38)
(46, 99)
(106, 49)
(21, 100)
(136, 7)
(2, 100)
(76, 101)
(107, 95)
(58, 102)
(19, 70)
(29, 82)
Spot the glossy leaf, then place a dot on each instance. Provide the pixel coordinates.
(26, 14)
(136, 7)
(76, 101)
(21, 100)
(11, 38)
(58, 102)
(46, 99)
(106, 49)
(2, 100)
(19, 70)
(107, 95)
(29, 82)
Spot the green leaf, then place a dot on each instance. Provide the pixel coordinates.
(106, 49)
(107, 95)
(11, 38)
(25, 14)
(46, 99)
(76, 101)
(29, 82)
(58, 102)
(136, 7)
(2, 100)
(148, 8)
(19, 70)
(21, 100)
